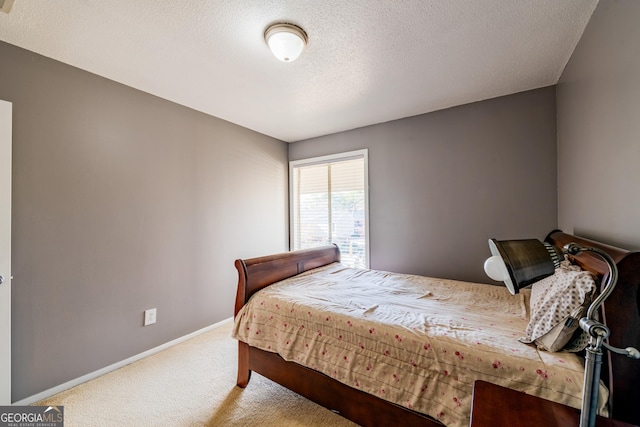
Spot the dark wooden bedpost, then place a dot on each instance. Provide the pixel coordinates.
(241, 293)
(244, 373)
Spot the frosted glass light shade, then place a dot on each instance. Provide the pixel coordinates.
(495, 268)
(286, 41)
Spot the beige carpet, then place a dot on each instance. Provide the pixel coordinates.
(190, 384)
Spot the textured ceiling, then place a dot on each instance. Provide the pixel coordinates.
(368, 61)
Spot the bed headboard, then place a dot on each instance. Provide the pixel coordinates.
(621, 313)
(257, 273)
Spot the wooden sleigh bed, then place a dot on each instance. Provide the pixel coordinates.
(620, 312)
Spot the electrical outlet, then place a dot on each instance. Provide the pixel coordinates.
(149, 317)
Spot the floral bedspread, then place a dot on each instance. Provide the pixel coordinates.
(416, 341)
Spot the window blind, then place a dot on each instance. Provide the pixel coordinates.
(329, 204)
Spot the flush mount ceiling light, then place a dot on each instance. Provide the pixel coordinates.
(286, 41)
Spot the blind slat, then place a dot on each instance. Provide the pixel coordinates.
(329, 207)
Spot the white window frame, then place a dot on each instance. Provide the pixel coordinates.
(363, 153)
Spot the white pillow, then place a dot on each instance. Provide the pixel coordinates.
(557, 304)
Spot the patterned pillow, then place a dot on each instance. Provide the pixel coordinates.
(557, 304)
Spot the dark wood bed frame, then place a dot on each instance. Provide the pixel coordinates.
(621, 313)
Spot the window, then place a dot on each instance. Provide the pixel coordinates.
(329, 204)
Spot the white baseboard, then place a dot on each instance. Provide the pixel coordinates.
(69, 384)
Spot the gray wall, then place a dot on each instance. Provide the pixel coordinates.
(599, 128)
(123, 201)
(441, 184)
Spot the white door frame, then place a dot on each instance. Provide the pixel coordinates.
(5, 252)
